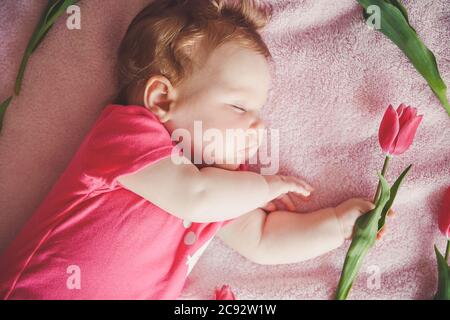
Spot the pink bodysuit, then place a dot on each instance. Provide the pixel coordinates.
(93, 239)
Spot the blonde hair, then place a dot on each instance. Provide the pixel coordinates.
(164, 38)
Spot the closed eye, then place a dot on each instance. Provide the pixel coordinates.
(240, 109)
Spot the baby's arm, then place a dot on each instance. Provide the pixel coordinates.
(209, 194)
(288, 237)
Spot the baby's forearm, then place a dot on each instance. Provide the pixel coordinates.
(290, 237)
(228, 194)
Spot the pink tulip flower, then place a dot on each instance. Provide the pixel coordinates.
(444, 215)
(225, 293)
(398, 128)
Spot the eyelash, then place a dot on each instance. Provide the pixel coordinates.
(239, 108)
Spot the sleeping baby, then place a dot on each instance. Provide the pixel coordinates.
(133, 211)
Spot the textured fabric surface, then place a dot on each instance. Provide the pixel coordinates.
(332, 80)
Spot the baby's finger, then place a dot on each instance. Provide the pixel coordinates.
(298, 188)
(299, 196)
(295, 196)
(270, 207)
(296, 185)
(287, 201)
(381, 233)
(280, 204)
(366, 204)
(391, 212)
(306, 185)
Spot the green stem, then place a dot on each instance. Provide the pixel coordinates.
(447, 250)
(383, 171)
(21, 73)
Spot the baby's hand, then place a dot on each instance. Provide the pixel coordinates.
(350, 210)
(283, 188)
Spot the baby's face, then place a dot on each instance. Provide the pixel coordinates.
(228, 92)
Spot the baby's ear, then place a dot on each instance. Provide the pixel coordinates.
(156, 97)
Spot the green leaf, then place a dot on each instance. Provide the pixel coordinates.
(394, 190)
(40, 30)
(3, 107)
(395, 25)
(52, 8)
(400, 7)
(55, 9)
(366, 228)
(443, 291)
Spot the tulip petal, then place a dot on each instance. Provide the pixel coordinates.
(389, 129)
(406, 136)
(225, 293)
(400, 109)
(444, 215)
(408, 114)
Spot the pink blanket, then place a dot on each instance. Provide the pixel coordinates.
(333, 78)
